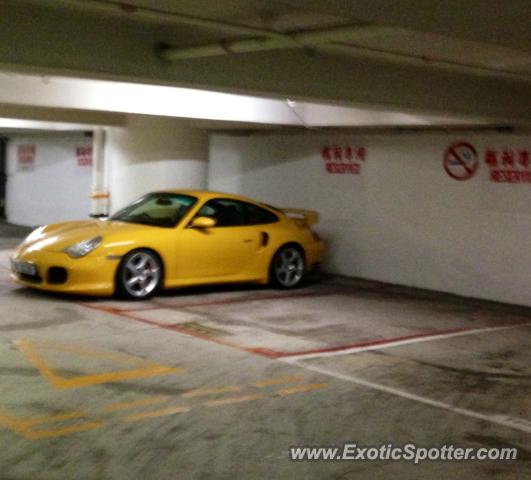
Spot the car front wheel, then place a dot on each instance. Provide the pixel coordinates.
(139, 275)
(288, 267)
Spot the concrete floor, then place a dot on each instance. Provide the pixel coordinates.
(219, 382)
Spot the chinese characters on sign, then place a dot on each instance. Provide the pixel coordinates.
(506, 165)
(84, 156)
(26, 157)
(343, 159)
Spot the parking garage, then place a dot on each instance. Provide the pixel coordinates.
(405, 129)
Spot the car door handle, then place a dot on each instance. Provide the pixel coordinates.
(248, 240)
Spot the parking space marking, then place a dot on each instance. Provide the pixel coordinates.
(130, 314)
(393, 342)
(24, 426)
(497, 419)
(12, 423)
(110, 377)
(34, 352)
(114, 407)
(231, 400)
(61, 432)
(51, 418)
(175, 328)
(202, 392)
(157, 413)
(301, 388)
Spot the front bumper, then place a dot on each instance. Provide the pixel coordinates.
(90, 275)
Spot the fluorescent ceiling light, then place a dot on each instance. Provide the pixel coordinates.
(16, 124)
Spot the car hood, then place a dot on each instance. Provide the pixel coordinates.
(58, 236)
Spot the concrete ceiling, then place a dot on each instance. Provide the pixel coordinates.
(442, 58)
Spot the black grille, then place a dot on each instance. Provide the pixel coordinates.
(57, 275)
(29, 278)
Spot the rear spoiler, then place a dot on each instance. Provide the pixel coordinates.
(301, 217)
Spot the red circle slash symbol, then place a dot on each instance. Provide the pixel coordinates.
(461, 161)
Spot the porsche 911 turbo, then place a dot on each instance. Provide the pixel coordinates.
(171, 239)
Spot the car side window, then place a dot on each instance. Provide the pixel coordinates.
(259, 216)
(232, 213)
(226, 212)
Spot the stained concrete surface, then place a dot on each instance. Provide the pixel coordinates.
(195, 384)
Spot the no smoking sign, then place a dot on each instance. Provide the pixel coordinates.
(461, 161)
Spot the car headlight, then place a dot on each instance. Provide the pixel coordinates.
(35, 235)
(83, 248)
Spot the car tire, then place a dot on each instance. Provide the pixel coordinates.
(139, 275)
(288, 267)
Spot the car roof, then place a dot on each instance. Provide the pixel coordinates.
(207, 194)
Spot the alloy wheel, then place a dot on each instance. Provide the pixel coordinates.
(141, 274)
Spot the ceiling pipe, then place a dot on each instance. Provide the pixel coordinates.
(330, 40)
(145, 13)
(264, 40)
(310, 38)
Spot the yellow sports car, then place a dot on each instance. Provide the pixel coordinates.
(171, 239)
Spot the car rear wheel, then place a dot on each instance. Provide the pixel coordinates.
(288, 267)
(139, 275)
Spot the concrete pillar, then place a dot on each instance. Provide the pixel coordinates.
(154, 153)
(99, 195)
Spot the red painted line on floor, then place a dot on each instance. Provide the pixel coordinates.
(372, 343)
(265, 352)
(227, 301)
(176, 328)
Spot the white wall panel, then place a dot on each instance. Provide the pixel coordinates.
(403, 220)
(55, 189)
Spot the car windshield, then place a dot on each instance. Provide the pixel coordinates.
(156, 209)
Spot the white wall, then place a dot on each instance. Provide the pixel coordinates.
(151, 153)
(403, 220)
(154, 154)
(56, 189)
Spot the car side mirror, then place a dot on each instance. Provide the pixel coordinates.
(202, 222)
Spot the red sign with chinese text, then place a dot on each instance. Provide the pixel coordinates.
(26, 156)
(506, 165)
(343, 159)
(84, 156)
(509, 165)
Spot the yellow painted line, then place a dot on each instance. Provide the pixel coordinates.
(149, 369)
(279, 380)
(135, 403)
(23, 427)
(80, 351)
(202, 392)
(86, 380)
(51, 418)
(300, 389)
(38, 362)
(60, 432)
(157, 413)
(12, 423)
(231, 400)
